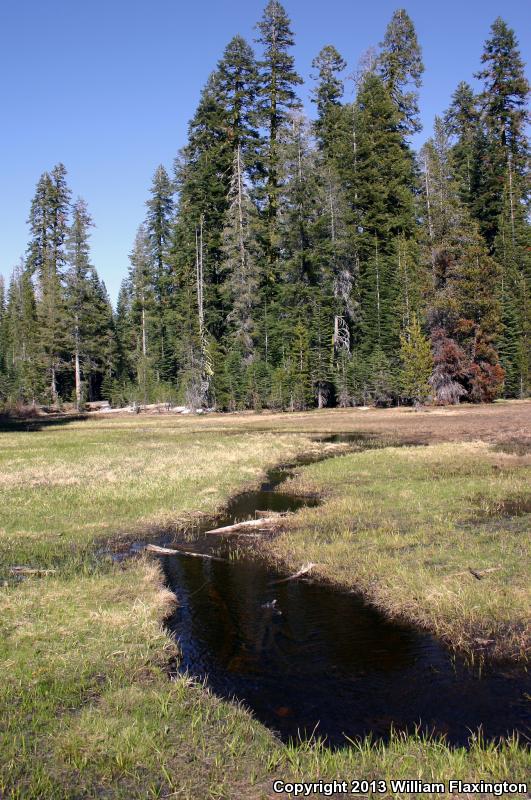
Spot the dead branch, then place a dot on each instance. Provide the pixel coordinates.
(31, 571)
(169, 551)
(303, 571)
(476, 573)
(263, 522)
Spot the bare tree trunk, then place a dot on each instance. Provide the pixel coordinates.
(77, 367)
(53, 384)
(78, 380)
(144, 338)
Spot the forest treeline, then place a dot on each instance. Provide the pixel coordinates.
(291, 263)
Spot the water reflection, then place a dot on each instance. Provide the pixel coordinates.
(303, 656)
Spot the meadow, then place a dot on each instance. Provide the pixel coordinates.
(89, 704)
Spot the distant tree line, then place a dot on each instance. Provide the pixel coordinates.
(293, 263)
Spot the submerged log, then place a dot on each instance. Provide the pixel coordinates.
(262, 522)
(170, 551)
(302, 571)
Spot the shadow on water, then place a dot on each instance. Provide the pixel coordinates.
(307, 658)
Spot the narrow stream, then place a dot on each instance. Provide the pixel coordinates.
(306, 658)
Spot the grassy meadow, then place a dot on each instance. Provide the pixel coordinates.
(437, 534)
(87, 709)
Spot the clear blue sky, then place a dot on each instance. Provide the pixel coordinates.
(108, 86)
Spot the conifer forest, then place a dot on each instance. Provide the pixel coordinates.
(294, 262)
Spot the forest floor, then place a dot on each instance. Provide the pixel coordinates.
(86, 706)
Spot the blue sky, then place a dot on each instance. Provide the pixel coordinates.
(108, 87)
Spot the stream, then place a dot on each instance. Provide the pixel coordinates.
(308, 659)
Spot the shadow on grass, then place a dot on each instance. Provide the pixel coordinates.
(34, 424)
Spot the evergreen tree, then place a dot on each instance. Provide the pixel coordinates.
(240, 263)
(238, 83)
(3, 343)
(78, 289)
(158, 230)
(464, 313)
(400, 65)
(463, 122)
(512, 250)
(503, 102)
(23, 373)
(47, 259)
(327, 95)
(385, 215)
(278, 80)
(203, 175)
(142, 310)
(417, 363)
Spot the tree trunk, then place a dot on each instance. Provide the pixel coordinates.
(78, 380)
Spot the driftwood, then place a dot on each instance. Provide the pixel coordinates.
(169, 551)
(262, 522)
(31, 571)
(303, 571)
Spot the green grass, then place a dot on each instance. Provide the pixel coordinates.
(87, 709)
(65, 489)
(403, 525)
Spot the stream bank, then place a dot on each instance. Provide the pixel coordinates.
(311, 660)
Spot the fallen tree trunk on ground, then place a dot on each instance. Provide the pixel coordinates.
(30, 571)
(262, 522)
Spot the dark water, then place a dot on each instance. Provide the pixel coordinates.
(307, 658)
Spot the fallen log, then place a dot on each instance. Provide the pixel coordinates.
(303, 571)
(170, 551)
(31, 571)
(262, 522)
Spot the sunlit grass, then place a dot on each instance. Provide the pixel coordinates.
(87, 708)
(404, 525)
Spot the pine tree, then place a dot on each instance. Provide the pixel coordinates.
(503, 102)
(503, 195)
(327, 95)
(385, 215)
(278, 80)
(203, 174)
(78, 288)
(240, 263)
(400, 65)
(238, 84)
(158, 229)
(417, 363)
(47, 258)
(142, 281)
(24, 381)
(464, 315)
(463, 122)
(3, 343)
(512, 250)
(100, 340)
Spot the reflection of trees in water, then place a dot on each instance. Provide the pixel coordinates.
(324, 658)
